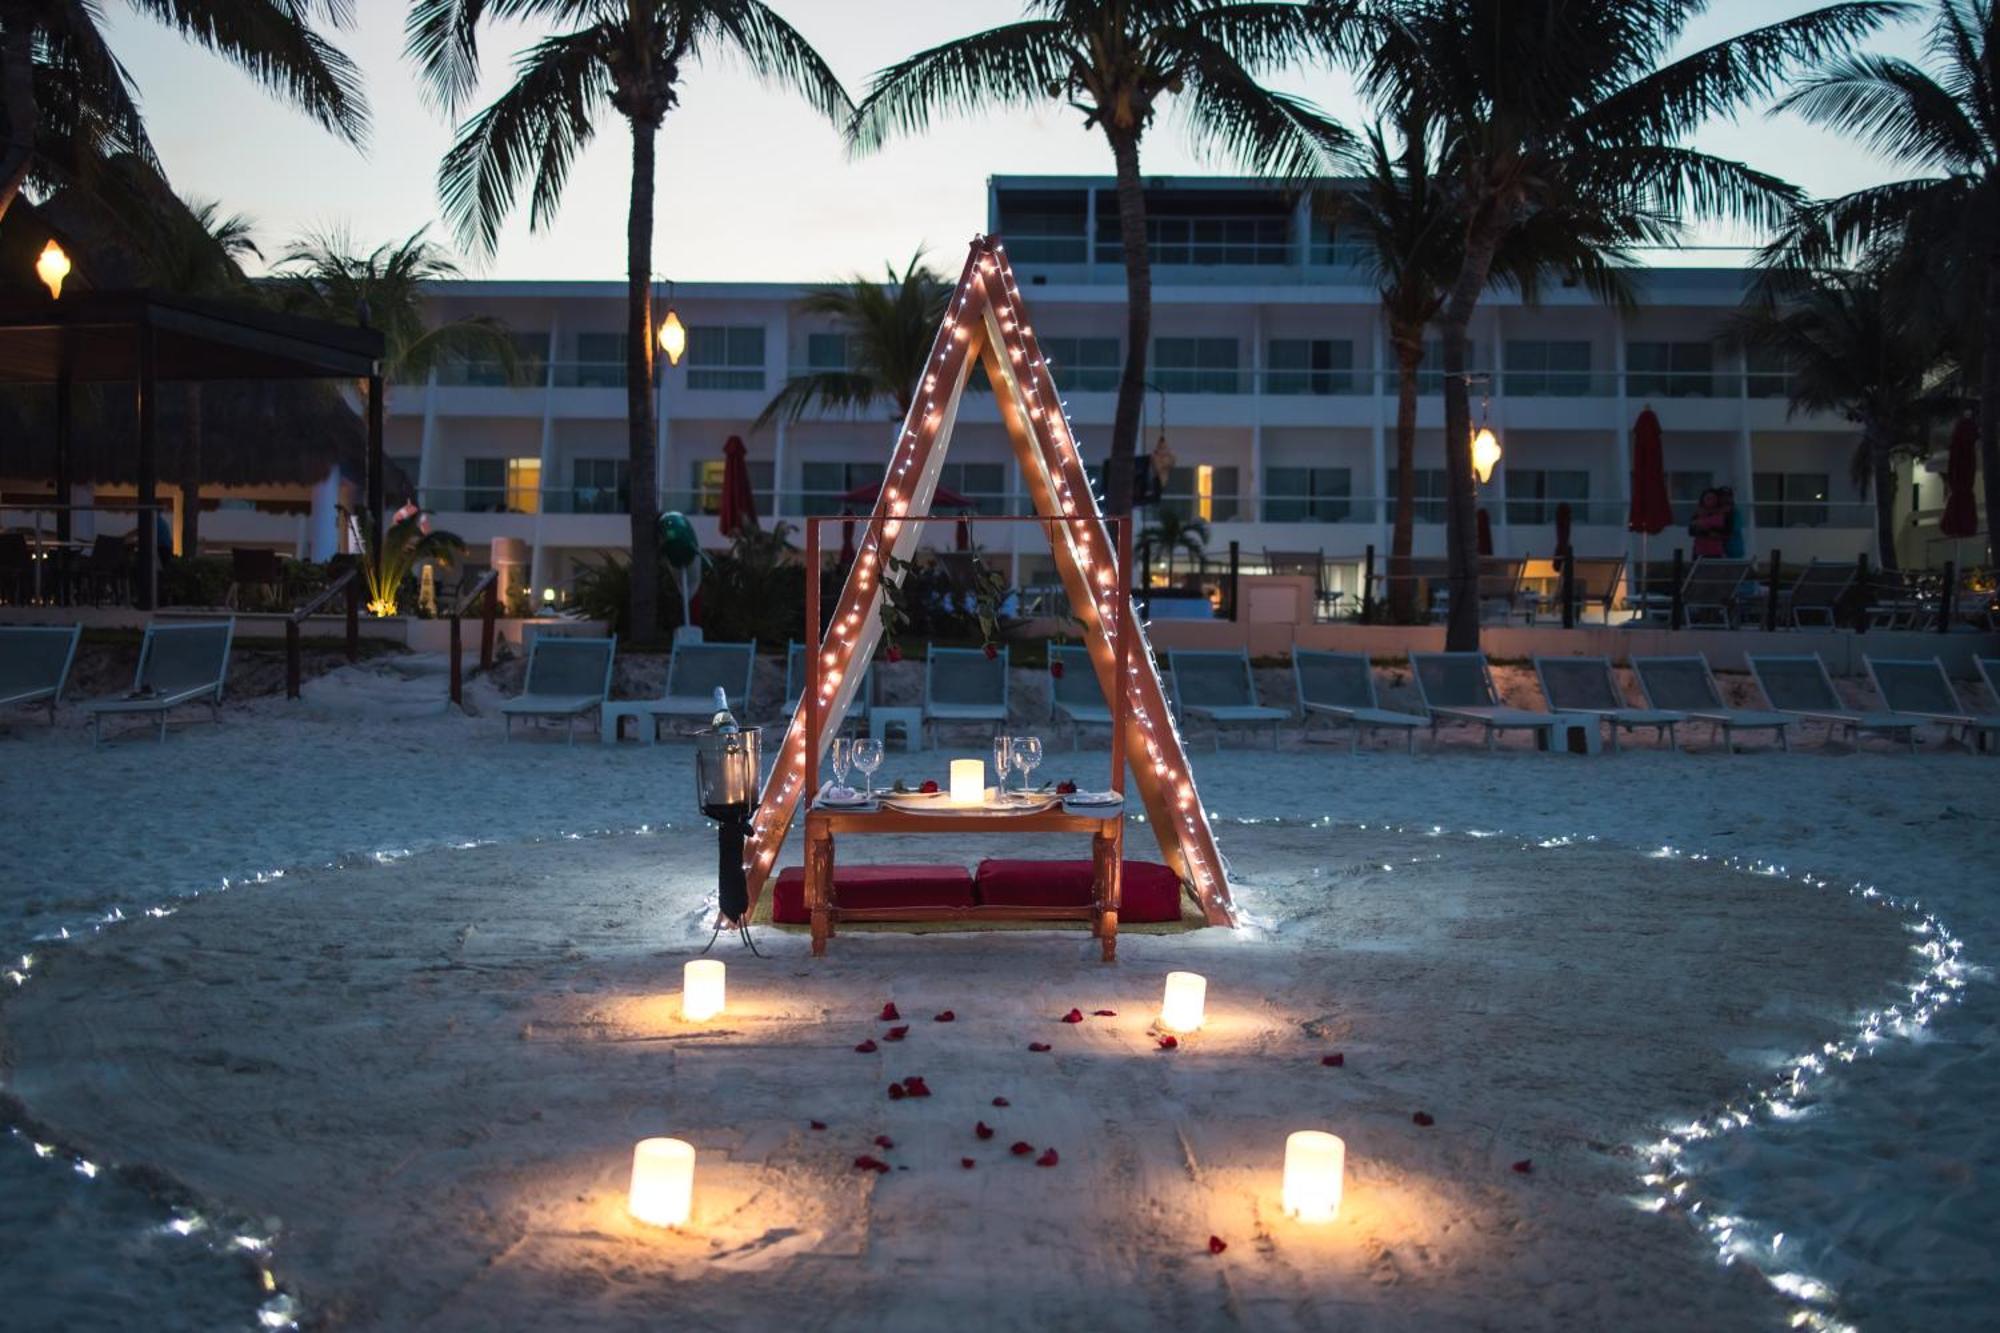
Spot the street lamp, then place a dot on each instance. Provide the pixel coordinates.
(673, 334)
(52, 267)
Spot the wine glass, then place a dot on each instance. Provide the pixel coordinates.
(868, 758)
(1027, 757)
(843, 756)
(1003, 750)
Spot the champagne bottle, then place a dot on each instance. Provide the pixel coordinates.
(724, 721)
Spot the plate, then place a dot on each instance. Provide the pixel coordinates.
(1093, 798)
(827, 798)
(940, 803)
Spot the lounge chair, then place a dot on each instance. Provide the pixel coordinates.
(1218, 686)
(1817, 592)
(1798, 684)
(1708, 598)
(1458, 687)
(567, 678)
(1341, 686)
(1897, 600)
(183, 663)
(1919, 688)
(1989, 674)
(34, 664)
(964, 685)
(1586, 685)
(1499, 588)
(1075, 697)
(1686, 685)
(795, 686)
(694, 673)
(1596, 579)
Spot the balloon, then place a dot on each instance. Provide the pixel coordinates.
(677, 540)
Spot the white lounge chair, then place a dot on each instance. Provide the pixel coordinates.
(1586, 685)
(1458, 687)
(1989, 673)
(1341, 686)
(1709, 597)
(694, 673)
(35, 661)
(1797, 683)
(181, 663)
(1919, 688)
(1074, 694)
(567, 678)
(964, 685)
(1218, 686)
(795, 687)
(1686, 685)
(1817, 592)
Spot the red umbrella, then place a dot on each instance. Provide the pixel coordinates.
(1563, 519)
(942, 498)
(964, 535)
(847, 538)
(1485, 532)
(739, 505)
(1961, 470)
(1651, 512)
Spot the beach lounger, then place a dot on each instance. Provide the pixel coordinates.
(795, 686)
(1686, 685)
(1817, 591)
(34, 664)
(1458, 687)
(694, 673)
(1798, 684)
(1075, 697)
(1586, 685)
(181, 663)
(1596, 579)
(1218, 686)
(1919, 688)
(964, 685)
(1989, 675)
(1896, 600)
(567, 678)
(1709, 596)
(1341, 686)
(1499, 589)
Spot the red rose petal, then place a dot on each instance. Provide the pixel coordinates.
(946, 1017)
(817, 1124)
(1216, 1245)
(1073, 1016)
(1048, 1158)
(1524, 1166)
(895, 654)
(896, 1034)
(967, 1163)
(992, 651)
(867, 1046)
(884, 1141)
(1334, 1061)
(983, 1130)
(1105, 1013)
(1038, 1046)
(1022, 1149)
(1001, 1101)
(1056, 670)
(867, 1163)
(915, 1086)
(929, 788)
(888, 1014)
(896, 1093)
(1169, 1042)
(1422, 1118)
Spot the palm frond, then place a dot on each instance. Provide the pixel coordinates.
(1228, 111)
(1893, 107)
(1669, 181)
(773, 50)
(1017, 64)
(274, 42)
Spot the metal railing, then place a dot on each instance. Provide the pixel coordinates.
(487, 591)
(349, 583)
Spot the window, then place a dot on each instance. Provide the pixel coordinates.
(407, 464)
(1790, 499)
(1532, 495)
(597, 486)
(720, 357)
(503, 485)
(1310, 365)
(1670, 370)
(1545, 369)
(1684, 489)
(824, 483)
(985, 484)
(705, 485)
(1084, 365)
(600, 361)
(1308, 494)
(531, 361)
(1206, 492)
(1195, 365)
(1430, 370)
(1200, 241)
(829, 351)
(1768, 373)
(1429, 489)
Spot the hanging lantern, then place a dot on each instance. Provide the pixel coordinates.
(673, 337)
(1485, 453)
(52, 267)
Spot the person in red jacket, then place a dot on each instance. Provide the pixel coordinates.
(1710, 525)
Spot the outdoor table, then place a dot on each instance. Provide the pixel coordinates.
(1106, 825)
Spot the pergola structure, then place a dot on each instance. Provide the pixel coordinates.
(144, 337)
(987, 321)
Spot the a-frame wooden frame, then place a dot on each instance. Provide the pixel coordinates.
(986, 320)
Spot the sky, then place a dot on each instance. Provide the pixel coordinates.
(753, 185)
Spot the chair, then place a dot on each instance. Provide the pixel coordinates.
(17, 569)
(1989, 675)
(567, 678)
(1798, 684)
(1896, 600)
(1218, 686)
(108, 569)
(964, 685)
(34, 664)
(795, 686)
(254, 567)
(1499, 587)
(694, 673)
(1919, 688)
(1686, 685)
(1586, 685)
(1817, 591)
(1341, 686)
(1712, 587)
(1595, 578)
(1075, 697)
(178, 664)
(1458, 687)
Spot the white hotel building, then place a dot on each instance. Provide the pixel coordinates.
(1270, 363)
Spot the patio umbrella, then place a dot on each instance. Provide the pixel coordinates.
(964, 535)
(739, 505)
(1564, 517)
(1651, 511)
(1485, 532)
(1961, 469)
(847, 537)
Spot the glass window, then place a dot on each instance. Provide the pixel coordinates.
(829, 351)
(1768, 373)
(503, 485)
(600, 361)
(1199, 240)
(597, 486)
(1684, 489)
(1196, 365)
(1430, 370)
(1310, 365)
(1670, 369)
(1533, 494)
(1790, 499)
(1429, 489)
(725, 357)
(1083, 365)
(822, 485)
(1207, 492)
(705, 485)
(1308, 494)
(1540, 368)
(985, 484)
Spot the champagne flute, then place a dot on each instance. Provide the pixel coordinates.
(868, 758)
(1027, 757)
(843, 757)
(1003, 750)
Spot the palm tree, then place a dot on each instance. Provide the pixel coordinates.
(1172, 531)
(1851, 348)
(68, 105)
(627, 56)
(888, 326)
(1117, 62)
(1943, 121)
(1571, 106)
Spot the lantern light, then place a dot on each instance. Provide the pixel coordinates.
(662, 1191)
(52, 267)
(1315, 1165)
(673, 337)
(968, 782)
(1182, 1004)
(701, 989)
(1485, 453)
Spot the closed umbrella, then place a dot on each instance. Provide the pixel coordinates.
(1564, 518)
(739, 505)
(1651, 511)
(1961, 471)
(847, 537)
(964, 535)
(1485, 532)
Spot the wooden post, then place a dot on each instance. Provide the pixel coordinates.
(489, 611)
(146, 580)
(1676, 612)
(1771, 590)
(375, 460)
(1861, 582)
(354, 616)
(810, 791)
(1235, 575)
(1567, 557)
(457, 671)
(292, 668)
(64, 431)
(1950, 603)
(1368, 586)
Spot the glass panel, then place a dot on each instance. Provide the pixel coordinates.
(723, 357)
(524, 485)
(1310, 366)
(1547, 369)
(1084, 365)
(1196, 365)
(1308, 494)
(1670, 369)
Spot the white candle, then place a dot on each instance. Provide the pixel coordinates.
(1181, 1006)
(701, 989)
(662, 1181)
(968, 782)
(1315, 1165)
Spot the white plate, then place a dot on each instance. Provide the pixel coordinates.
(826, 797)
(1094, 798)
(940, 803)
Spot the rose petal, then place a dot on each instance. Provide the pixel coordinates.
(1524, 1166)
(896, 1034)
(983, 1130)
(1334, 1061)
(817, 1124)
(1073, 1016)
(1001, 1101)
(867, 1163)
(896, 1093)
(946, 1017)
(1216, 1245)
(1105, 1013)
(1022, 1149)
(1422, 1118)
(1048, 1158)
(888, 1014)
(867, 1046)
(1168, 1042)
(915, 1086)
(884, 1141)
(967, 1163)
(1038, 1046)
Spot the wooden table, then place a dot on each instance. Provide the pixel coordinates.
(1107, 848)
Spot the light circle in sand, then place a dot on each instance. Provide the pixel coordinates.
(1315, 1168)
(702, 989)
(1181, 1005)
(662, 1182)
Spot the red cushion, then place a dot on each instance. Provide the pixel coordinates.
(1150, 891)
(874, 886)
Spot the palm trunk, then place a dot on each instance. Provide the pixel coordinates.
(1882, 477)
(1989, 405)
(640, 459)
(1461, 633)
(1402, 588)
(191, 475)
(1138, 322)
(17, 86)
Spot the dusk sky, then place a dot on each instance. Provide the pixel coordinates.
(753, 185)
